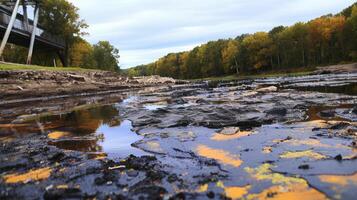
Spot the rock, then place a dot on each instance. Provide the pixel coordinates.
(153, 191)
(339, 157)
(327, 113)
(179, 101)
(210, 195)
(172, 178)
(304, 167)
(65, 193)
(4, 74)
(100, 181)
(354, 144)
(20, 88)
(57, 157)
(248, 94)
(132, 173)
(277, 111)
(229, 130)
(354, 110)
(340, 125)
(77, 78)
(117, 167)
(268, 89)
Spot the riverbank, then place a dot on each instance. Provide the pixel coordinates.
(21, 83)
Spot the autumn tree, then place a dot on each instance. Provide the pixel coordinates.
(61, 18)
(259, 50)
(229, 57)
(81, 54)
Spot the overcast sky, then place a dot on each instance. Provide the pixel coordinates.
(144, 30)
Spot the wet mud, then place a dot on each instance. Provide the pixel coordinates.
(277, 138)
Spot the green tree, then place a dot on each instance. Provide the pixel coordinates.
(106, 56)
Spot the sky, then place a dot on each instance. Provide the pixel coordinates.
(145, 30)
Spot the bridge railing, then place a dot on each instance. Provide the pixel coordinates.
(19, 25)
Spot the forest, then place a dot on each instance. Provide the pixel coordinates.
(61, 18)
(326, 40)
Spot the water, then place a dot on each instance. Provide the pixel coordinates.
(98, 130)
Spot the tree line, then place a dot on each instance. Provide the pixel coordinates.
(61, 18)
(329, 39)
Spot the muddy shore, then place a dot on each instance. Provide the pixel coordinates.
(268, 138)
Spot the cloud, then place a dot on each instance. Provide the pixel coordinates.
(146, 30)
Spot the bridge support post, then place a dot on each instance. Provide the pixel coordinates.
(9, 28)
(24, 7)
(33, 35)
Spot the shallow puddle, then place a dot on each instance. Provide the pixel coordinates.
(95, 130)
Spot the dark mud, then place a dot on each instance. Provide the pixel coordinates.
(252, 139)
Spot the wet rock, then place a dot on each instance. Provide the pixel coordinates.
(179, 101)
(4, 74)
(327, 113)
(184, 196)
(304, 167)
(182, 93)
(354, 110)
(57, 157)
(155, 175)
(150, 192)
(354, 144)
(202, 101)
(277, 111)
(172, 178)
(141, 163)
(145, 122)
(339, 157)
(185, 121)
(229, 130)
(340, 125)
(132, 173)
(65, 193)
(210, 195)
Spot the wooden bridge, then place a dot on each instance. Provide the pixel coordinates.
(18, 29)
